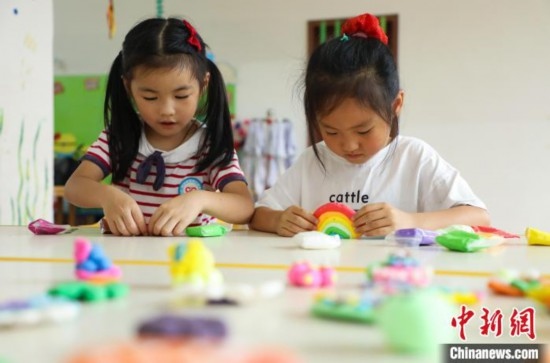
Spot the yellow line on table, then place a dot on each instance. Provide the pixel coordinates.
(238, 266)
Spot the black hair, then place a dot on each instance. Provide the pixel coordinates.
(156, 43)
(350, 67)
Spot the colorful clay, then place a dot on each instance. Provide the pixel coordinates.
(399, 271)
(304, 274)
(193, 264)
(463, 241)
(510, 283)
(92, 264)
(37, 310)
(493, 231)
(42, 226)
(536, 237)
(89, 292)
(174, 326)
(165, 350)
(207, 230)
(336, 219)
(412, 237)
(541, 294)
(348, 307)
(463, 297)
(315, 240)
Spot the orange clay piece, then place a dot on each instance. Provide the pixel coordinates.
(167, 351)
(503, 288)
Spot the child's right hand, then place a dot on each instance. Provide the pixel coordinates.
(294, 220)
(123, 214)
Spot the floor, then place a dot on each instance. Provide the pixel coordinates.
(31, 264)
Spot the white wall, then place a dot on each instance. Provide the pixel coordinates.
(26, 111)
(476, 75)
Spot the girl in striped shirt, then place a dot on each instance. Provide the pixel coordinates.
(166, 164)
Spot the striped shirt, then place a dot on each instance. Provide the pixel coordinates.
(180, 177)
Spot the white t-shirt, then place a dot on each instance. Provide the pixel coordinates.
(408, 174)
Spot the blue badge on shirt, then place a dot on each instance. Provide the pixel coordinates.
(189, 184)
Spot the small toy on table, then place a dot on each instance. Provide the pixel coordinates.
(92, 264)
(350, 306)
(193, 264)
(511, 283)
(304, 274)
(37, 310)
(97, 276)
(336, 218)
(400, 270)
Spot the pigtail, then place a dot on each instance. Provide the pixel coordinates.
(121, 122)
(217, 146)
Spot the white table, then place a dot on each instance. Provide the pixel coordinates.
(30, 264)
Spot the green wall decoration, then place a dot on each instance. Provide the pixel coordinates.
(78, 106)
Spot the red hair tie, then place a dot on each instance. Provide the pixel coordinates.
(193, 39)
(366, 25)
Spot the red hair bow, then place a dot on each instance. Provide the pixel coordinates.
(193, 39)
(366, 24)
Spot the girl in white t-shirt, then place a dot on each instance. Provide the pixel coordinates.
(353, 101)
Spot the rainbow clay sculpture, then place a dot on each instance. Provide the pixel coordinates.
(336, 219)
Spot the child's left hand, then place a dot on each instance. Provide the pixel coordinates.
(173, 216)
(379, 219)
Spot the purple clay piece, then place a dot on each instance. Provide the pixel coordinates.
(415, 237)
(14, 305)
(170, 326)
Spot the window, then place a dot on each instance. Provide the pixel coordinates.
(320, 31)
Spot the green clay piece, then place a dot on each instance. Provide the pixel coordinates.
(89, 292)
(70, 290)
(94, 293)
(342, 311)
(460, 241)
(417, 322)
(334, 230)
(208, 230)
(525, 285)
(117, 290)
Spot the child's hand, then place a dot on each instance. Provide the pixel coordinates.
(379, 219)
(294, 220)
(173, 216)
(123, 215)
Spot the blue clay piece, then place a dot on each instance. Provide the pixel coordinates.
(88, 265)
